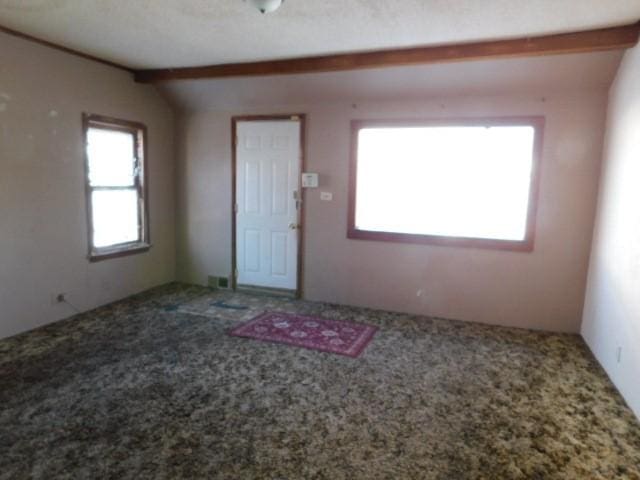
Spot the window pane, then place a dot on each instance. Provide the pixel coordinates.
(449, 181)
(115, 217)
(111, 157)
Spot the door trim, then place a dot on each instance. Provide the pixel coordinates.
(302, 118)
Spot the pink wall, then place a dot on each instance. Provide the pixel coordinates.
(611, 324)
(540, 290)
(43, 223)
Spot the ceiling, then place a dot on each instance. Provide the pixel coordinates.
(180, 33)
(530, 76)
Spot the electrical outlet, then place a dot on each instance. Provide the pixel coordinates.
(326, 196)
(57, 298)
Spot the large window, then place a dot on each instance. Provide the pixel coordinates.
(466, 182)
(116, 194)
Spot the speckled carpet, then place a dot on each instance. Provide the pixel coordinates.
(154, 388)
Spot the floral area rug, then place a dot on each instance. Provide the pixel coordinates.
(315, 333)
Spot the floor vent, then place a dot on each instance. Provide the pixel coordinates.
(218, 282)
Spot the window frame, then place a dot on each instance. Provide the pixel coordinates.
(139, 132)
(525, 245)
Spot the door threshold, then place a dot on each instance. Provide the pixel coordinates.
(274, 292)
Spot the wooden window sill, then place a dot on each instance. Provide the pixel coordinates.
(482, 243)
(118, 252)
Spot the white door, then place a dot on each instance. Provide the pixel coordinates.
(267, 189)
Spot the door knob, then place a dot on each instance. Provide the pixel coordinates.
(294, 226)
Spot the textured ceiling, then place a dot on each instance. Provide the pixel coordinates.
(175, 33)
(529, 76)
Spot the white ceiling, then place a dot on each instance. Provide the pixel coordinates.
(175, 33)
(531, 76)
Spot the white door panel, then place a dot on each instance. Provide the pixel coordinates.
(267, 177)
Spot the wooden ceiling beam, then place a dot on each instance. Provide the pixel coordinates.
(577, 42)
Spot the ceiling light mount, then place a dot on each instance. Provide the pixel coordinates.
(266, 6)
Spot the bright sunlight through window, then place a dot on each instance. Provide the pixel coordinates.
(115, 186)
(461, 181)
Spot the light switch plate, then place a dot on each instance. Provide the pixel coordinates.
(326, 196)
(309, 180)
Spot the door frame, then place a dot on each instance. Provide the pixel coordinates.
(302, 118)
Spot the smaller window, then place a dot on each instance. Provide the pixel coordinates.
(116, 188)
